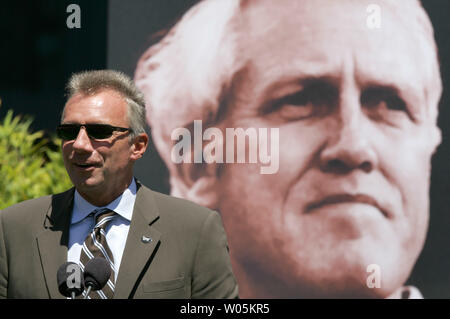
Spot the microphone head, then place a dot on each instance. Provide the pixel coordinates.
(70, 279)
(96, 273)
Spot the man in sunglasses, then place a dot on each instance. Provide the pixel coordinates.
(156, 246)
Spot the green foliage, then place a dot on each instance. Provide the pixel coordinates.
(30, 165)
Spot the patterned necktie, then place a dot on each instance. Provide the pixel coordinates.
(95, 246)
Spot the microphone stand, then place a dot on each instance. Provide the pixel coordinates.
(88, 291)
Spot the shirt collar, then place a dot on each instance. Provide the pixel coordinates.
(122, 205)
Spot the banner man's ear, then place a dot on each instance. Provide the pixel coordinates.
(193, 167)
(196, 182)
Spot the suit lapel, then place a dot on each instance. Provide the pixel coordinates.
(141, 243)
(53, 240)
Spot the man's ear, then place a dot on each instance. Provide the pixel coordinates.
(197, 182)
(138, 146)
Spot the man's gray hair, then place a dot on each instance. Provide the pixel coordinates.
(91, 82)
(187, 73)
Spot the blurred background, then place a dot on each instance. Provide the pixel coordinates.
(39, 52)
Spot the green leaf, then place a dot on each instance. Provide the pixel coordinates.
(29, 165)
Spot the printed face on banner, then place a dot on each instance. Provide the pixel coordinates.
(356, 139)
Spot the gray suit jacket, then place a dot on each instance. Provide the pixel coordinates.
(186, 258)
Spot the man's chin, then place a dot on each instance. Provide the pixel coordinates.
(89, 185)
(347, 283)
(350, 271)
(350, 290)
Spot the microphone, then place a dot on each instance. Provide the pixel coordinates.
(70, 280)
(96, 274)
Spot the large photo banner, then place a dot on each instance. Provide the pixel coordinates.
(318, 130)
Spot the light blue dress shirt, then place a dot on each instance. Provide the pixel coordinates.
(116, 231)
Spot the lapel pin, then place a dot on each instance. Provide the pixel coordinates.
(146, 239)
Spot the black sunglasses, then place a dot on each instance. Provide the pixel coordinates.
(70, 132)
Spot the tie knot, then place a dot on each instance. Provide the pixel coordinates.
(102, 217)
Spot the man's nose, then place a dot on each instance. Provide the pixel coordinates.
(82, 143)
(349, 147)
